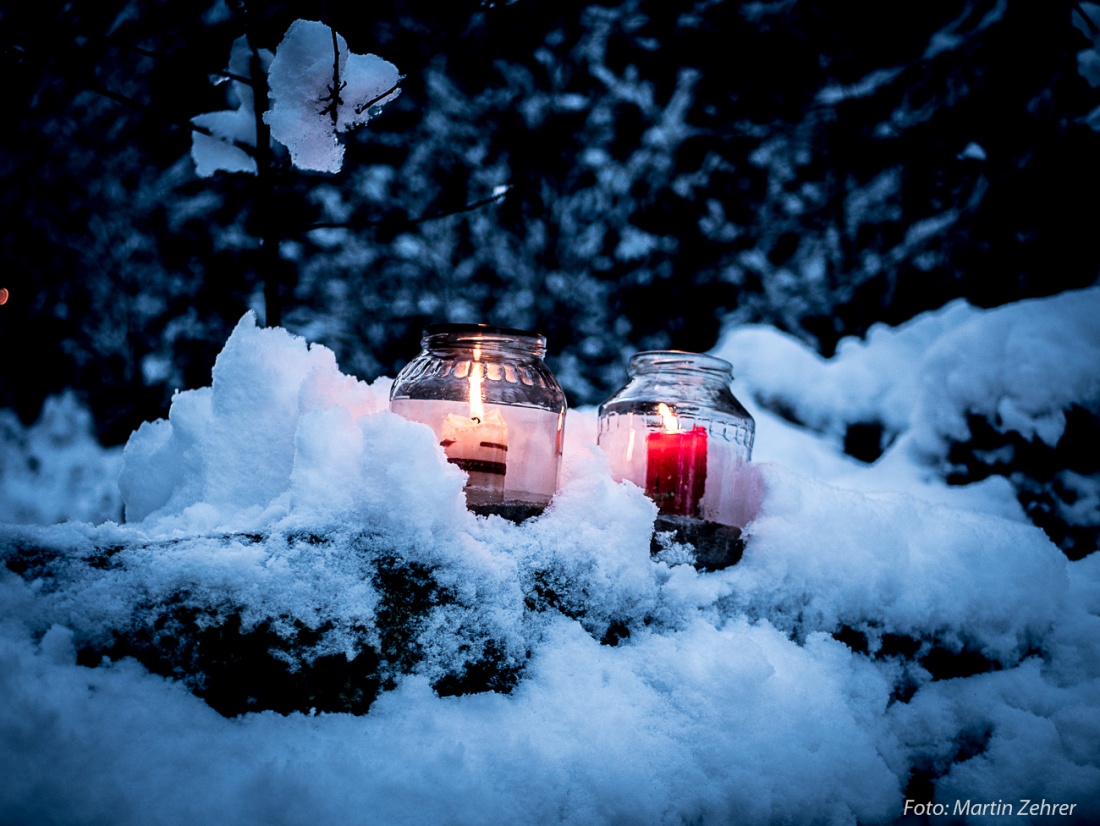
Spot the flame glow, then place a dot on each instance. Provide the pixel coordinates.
(477, 408)
(668, 418)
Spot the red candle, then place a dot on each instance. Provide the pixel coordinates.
(676, 466)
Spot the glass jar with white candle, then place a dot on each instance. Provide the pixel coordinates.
(494, 405)
(677, 431)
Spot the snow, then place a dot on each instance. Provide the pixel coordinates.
(1022, 364)
(832, 95)
(231, 130)
(956, 35)
(301, 82)
(972, 151)
(1088, 60)
(733, 699)
(300, 85)
(55, 470)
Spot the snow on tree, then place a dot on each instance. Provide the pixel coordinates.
(350, 87)
(317, 90)
(232, 132)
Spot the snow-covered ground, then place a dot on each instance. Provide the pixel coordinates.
(55, 469)
(778, 690)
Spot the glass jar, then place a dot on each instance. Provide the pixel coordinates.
(677, 431)
(495, 407)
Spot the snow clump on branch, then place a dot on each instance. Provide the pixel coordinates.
(311, 101)
(232, 132)
(312, 98)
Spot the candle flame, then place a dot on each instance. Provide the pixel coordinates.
(477, 408)
(668, 418)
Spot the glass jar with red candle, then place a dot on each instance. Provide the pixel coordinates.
(495, 407)
(677, 431)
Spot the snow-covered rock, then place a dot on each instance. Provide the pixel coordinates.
(293, 547)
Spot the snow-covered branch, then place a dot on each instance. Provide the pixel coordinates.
(312, 100)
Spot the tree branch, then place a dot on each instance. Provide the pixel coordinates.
(263, 206)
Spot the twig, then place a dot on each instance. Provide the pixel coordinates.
(408, 221)
(333, 96)
(362, 107)
(232, 76)
(20, 55)
(157, 55)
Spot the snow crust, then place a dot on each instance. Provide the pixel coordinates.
(732, 699)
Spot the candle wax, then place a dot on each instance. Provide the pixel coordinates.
(480, 448)
(676, 470)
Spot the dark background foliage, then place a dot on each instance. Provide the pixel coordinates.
(813, 165)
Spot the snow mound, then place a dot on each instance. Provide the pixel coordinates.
(1021, 364)
(1007, 399)
(282, 431)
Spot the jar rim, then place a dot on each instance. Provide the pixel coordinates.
(451, 328)
(682, 359)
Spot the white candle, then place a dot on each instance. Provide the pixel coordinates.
(478, 447)
(478, 443)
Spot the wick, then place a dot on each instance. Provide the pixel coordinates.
(476, 419)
